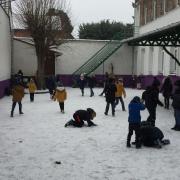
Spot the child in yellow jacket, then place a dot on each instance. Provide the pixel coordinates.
(119, 93)
(32, 88)
(60, 96)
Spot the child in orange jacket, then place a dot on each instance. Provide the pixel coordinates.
(17, 95)
(60, 96)
(119, 93)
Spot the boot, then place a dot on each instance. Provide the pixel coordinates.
(138, 145)
(158, 144)
(11, 113)
(128, 144)
(69, 123)
(128, 141)
(138, 142)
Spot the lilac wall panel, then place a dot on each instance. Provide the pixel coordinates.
(129, 81)
(3, 85)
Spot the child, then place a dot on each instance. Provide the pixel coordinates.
(17, 94)
(151, 98)
(32, 88)
(110, 90)
(60, 95)
(80, 116)
(82, 83)
(135, 106)
(120, 91)
(176, 106)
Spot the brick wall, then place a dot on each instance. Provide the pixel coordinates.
(152, 9)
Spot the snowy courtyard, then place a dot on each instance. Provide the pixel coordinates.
(31, 143)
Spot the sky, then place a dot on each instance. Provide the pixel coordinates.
(88, 11)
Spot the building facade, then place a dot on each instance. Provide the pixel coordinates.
(150, 15)
(5, 50)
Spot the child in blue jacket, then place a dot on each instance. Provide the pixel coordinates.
(134, 119)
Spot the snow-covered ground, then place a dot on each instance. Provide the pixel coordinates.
(31, 143)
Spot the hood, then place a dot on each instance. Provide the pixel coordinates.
(60, 88)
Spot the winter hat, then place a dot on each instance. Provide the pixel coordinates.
(136, 99)
(177, 83)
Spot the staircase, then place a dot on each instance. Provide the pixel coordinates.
(99, 57)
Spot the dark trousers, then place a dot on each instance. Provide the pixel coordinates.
(112, 107)
(31, 97)
(152, 115)
(122, 102)
(91, 92)
(77, 121)
(61, 105)
(82, 91)
(136, 128)
(166, 102)
(14, 105)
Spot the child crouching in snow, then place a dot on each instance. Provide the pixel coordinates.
(135, 106)
(80, 116)
(60, 96)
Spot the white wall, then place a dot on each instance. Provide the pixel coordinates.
(24, 58)
(77, 52)
(5, 46)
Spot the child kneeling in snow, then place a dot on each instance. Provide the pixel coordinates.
(135, 106)
(80, 116)
(60, 96)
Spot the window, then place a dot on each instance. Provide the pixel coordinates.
(145, 14)
(162, 7)
(142, 61)
(161, 61)
(150, 59)
(173, 65)
(178, 2)
(154, 9)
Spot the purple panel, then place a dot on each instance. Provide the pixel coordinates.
(68, 80)
(3, 85)
(146, 80)
(129, 80)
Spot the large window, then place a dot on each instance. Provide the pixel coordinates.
(161, 61)
(178, 2)
(151, 59)
(162, 7)
(145, 14)
(142, 61)
(173, 65)
(154, 4)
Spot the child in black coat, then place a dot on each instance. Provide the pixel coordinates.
(110, 91)
(80, 116)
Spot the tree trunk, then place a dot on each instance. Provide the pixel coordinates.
(40, 72)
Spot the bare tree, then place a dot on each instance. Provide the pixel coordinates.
(48, 24)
